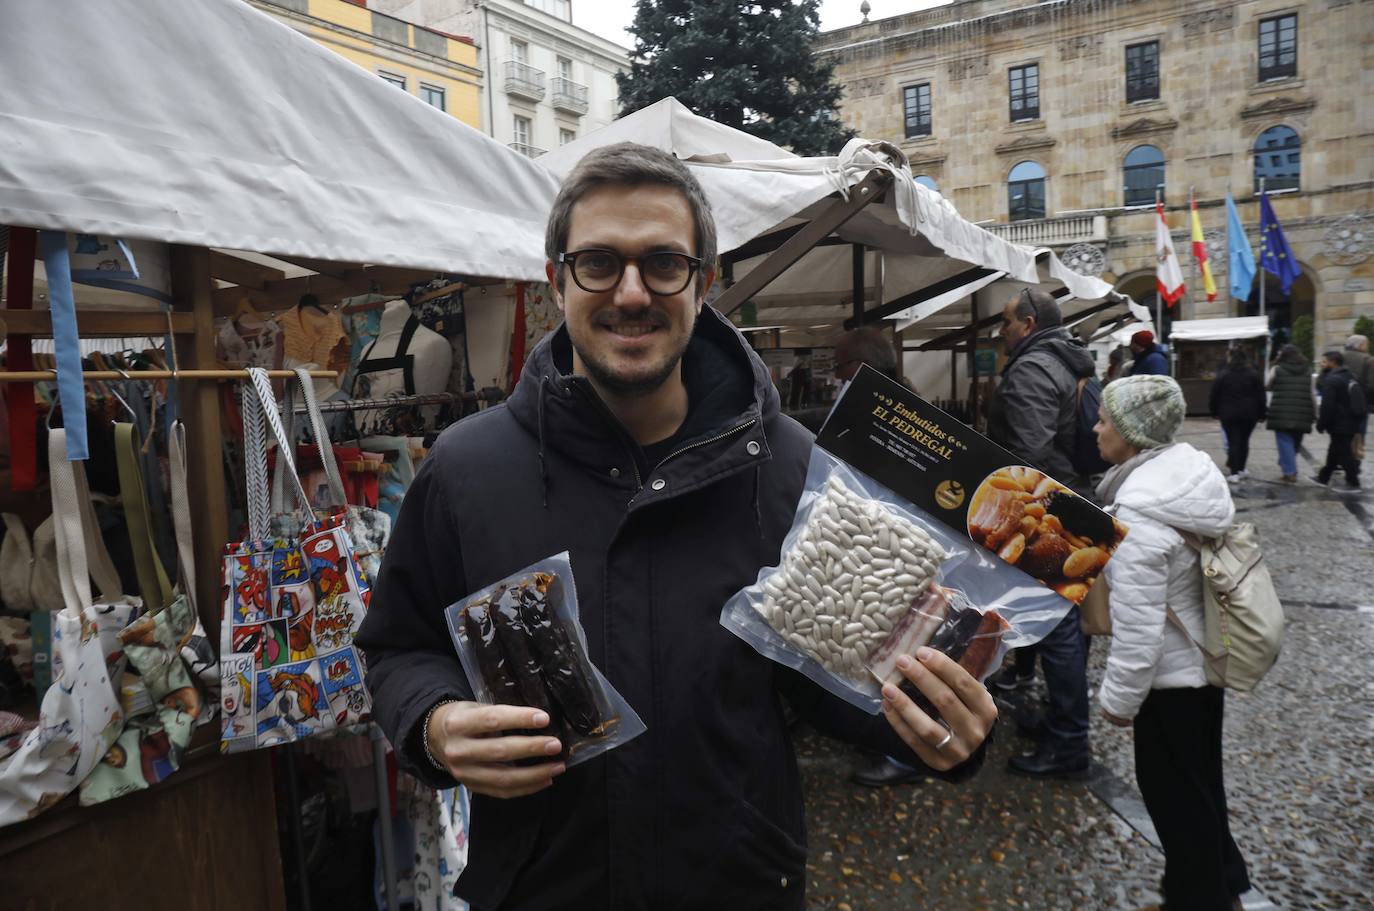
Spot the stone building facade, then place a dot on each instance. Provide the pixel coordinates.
(548, 81)
(1054, 123)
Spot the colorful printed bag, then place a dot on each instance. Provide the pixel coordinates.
(289, 668)
(80, 716)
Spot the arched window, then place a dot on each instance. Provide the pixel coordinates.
(927, 181)
(1278, 159)
(1026, 191)
(1143, 174)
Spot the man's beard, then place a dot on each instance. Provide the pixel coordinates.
(639, 386)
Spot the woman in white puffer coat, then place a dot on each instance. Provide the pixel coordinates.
(1155, 679)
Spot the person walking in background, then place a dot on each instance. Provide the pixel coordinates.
(1155, 680)
(1291, 408)
(1034, 413)
(1361, 367)
(1116, 364)
(1343, 410)
(1237, 400)
(1149, 356)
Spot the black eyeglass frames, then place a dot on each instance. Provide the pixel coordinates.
(663, 272)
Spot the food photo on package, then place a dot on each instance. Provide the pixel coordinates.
(913, 530)
(520, 643)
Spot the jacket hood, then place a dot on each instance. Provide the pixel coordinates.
(1056, 341)
(1295, 369)
(728, 385)
(1181, 488)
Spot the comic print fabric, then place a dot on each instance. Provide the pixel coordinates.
(289, 667)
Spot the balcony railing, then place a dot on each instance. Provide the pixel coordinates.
(1053, 232)
(524, 80)
(569, 96)
(527, 150)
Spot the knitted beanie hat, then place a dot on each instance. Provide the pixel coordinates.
(1146, 410)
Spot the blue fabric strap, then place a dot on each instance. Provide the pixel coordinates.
(71, 386)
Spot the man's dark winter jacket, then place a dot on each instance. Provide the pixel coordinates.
(1152, 360)
(1237, 396)
(704, 810)
(1337, 417)
(1291, 408)
(1361, 367)
(1035, 410)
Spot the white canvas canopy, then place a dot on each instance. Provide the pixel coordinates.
(1219, 330)
(214, 125)
(758, 189)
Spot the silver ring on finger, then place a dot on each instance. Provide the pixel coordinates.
(949, 735)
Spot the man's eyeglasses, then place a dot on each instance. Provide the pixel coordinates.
(663, 272)
(1025, 297)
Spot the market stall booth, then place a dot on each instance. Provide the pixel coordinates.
(1200, 351)
(225, 174)
(812, 246)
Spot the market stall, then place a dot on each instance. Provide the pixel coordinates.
(1200, 350)
(266, 182)
(811, 246)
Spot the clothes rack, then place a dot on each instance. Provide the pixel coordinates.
(426, 398)
(42, 376)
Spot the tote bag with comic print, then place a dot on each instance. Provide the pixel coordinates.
(289, 668)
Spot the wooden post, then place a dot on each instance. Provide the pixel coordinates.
(859, 283)
(973, 360)
(191, 291)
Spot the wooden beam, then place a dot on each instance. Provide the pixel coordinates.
(921, 295)
(106, 323)
(243, 272)
(285, 294)
(856, 269)
(760, 246)
(191, 290)
(321, 266)
(832, 217)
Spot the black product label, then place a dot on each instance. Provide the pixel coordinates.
(977, 488)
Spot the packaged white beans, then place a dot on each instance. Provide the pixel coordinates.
(871, 571)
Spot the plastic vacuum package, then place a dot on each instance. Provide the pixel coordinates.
(520, 643)
(956, 548)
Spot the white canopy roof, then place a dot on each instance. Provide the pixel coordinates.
(212, 124)
(756, 188)
(1219, 330)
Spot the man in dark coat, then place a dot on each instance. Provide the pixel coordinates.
(1034, 413)
(1237, 400)
(1340, 418)
(645, 438)
(1149, 356)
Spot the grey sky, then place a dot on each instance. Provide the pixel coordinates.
(608, 18)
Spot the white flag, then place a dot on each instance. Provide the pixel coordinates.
(1168, 275)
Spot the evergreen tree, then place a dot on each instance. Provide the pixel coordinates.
(748, 65)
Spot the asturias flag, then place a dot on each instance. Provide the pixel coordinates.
(1240, 258)
(1168, 276)
(1200, 254)
(1275, 255)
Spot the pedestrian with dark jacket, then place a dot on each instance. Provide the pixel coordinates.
(1237, 400)
(1291, 407)
(646, 438)
(1155, 681)
(1149, 356)
(1361, 367)
(1342, 413)
(1034, 413)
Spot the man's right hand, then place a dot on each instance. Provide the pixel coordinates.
(471, 741)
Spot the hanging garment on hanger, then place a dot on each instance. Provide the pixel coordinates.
(249, 340)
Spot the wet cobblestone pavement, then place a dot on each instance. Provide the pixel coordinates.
(1299, 755)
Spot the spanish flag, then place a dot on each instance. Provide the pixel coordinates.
(1200, 254)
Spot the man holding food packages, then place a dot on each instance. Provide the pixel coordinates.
(1034, 414)
(645, 438)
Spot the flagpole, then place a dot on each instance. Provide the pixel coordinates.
(1159, 294)
(1192, 286)
(1264, 315)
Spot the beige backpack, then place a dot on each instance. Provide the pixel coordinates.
(1243, 619)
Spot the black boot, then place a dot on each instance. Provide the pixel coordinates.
(1049, 762)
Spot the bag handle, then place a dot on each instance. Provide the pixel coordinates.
(306, 385)
(181, 512)
(152, 577)
(74, 532)
(260, 406)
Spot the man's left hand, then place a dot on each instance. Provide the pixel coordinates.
(967, 710)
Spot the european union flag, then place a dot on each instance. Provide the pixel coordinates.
(1275, 255)
(1241, 259)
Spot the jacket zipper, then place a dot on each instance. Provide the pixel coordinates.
(715, 439)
